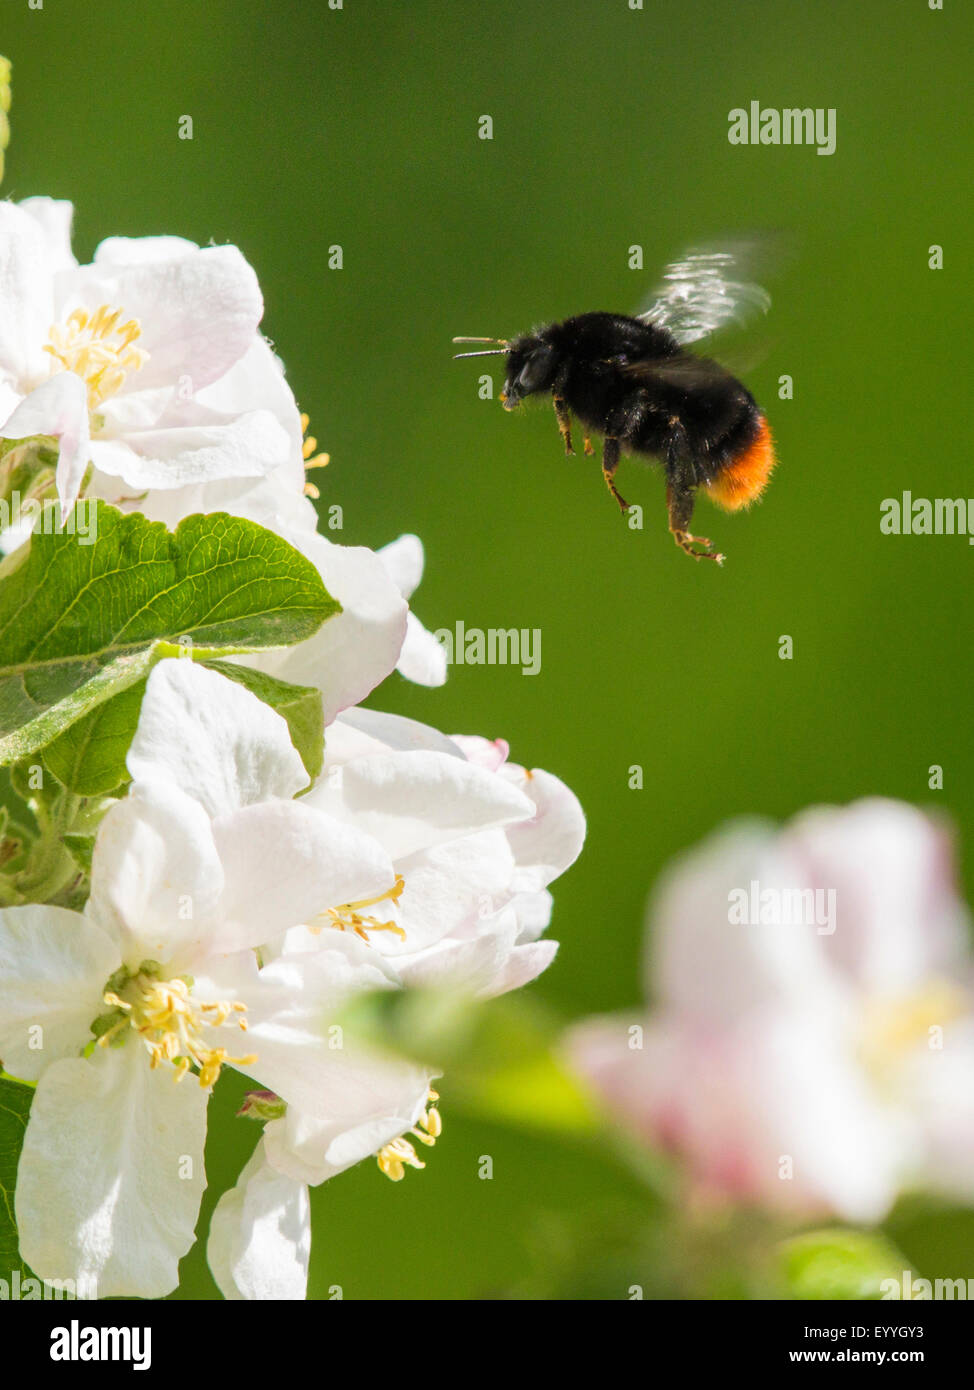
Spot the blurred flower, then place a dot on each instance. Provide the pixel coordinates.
(148, 363)
(806, 1064)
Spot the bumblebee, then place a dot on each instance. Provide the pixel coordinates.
(630, 379)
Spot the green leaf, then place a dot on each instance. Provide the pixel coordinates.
(299, 705)
(79, 623)
(15, 1099)
(840, 1264)
(89, 757)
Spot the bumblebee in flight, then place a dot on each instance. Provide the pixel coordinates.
(632, 380)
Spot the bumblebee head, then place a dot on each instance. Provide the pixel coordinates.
(531, 367)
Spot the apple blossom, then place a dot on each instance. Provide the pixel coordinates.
(148, 362)
(161, 970)
(806, 1069)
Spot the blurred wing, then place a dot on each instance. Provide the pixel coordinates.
(705, 291)
(686, 373)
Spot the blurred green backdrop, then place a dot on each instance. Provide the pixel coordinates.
(359, 127)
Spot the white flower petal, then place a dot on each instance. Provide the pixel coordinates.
(260, 1235)
(422, 659)
(351, 653)
(293, 1008)
(142, 250)
(257, 381)
(54, 217)
(60, 408)
(285, 863)
(249, 446)
(198, 311)
(156, 878)
(403, 561)
(54, 966)
(546, 845)
(359, 732)
(215, 740)
(383, 1101)
(111, 1173)
(412, 801)
(26, 299)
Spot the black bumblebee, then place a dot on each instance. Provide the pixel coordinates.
(630, 379)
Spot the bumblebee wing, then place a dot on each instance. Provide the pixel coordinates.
(686, 373)
(705, 290)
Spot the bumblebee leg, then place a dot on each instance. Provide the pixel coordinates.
(679, 504)
(588, 446)
(610, 462)
(564, 422)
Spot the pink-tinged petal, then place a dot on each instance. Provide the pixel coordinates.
(475, 966)
(111, 1173)
(898, 914)
(285, 863)
(355, 650)
(489, 753)
(198, 311)
(60, 408)
(250, 446)
(260, 1236)
(156, 878)
(768, 1112)
(706, 962)
(552, 839)
(54, 966)
(213, 739)
(412, 801)
(26, 299)
(360, 732)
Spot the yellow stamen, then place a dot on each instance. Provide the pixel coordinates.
(394, 1158)
(98, 348)
(311, 459)
(169, 1022)
(349, 916)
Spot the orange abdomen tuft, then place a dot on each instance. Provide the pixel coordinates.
(743, 480)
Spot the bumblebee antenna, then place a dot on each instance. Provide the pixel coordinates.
(488, 352)
(501, 341)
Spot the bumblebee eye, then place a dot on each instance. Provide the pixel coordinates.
(536, 372)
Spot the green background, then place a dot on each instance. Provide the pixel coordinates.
(359, 127)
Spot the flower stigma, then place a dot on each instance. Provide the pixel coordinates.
(393, 1159)
(169, 1021)
(98, 348)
